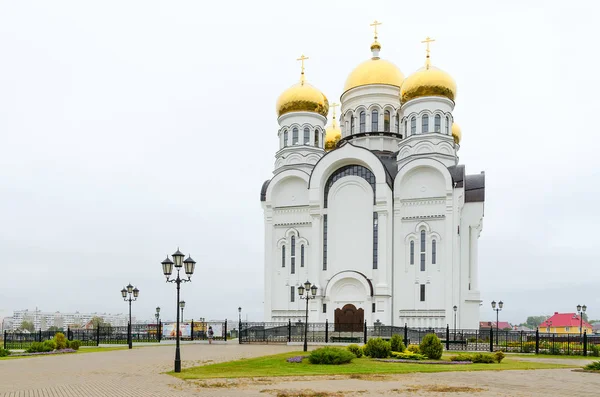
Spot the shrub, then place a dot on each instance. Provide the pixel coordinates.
(483, 358)
(330, 356)
(61, 341)
(408, 356)
(50, 344)
(595, 366)
(414, 349)
(528, 347)
(499, 356)
(39, 347)
(397, 344)
(356, 350)
(461, 357)
(4, 352)
(555, 350)
(431, 346)
(594, 350)
(377, 348)
(74, 344)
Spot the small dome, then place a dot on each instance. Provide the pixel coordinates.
(333, 134)
(428, 81)
(302, 97)
(456, 133)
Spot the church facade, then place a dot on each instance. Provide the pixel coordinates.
(373, 209)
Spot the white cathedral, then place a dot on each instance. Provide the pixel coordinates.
(376, 211)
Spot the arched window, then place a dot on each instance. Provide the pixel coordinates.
(423, 242)
(413, 125)
(374, 120)
(362, 121)
(295, 136)
(302, 255)
(438, 123)
(283, 256)
(352, 124)
(386, 121)
(433, 252)
(397, 124)
(412, 252)
(447, 125)
(285, 138)
(317, 133)
(293, 256)
(424, 124)
(306, 136)
(355, 170)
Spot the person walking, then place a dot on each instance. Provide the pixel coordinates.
(211, 333)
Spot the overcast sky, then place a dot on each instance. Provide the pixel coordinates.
(129, 128)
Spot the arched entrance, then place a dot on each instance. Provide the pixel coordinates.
(349, 319)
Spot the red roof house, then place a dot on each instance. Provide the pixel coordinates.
(488, 324)
(565, 323)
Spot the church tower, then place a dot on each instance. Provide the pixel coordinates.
(375, 211)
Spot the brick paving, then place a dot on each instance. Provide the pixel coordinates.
(140, 372)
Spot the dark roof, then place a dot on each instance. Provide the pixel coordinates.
(388, 159)
(475, 188)
(458, 174)
(263, 190)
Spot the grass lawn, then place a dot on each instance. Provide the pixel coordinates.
(581, 357)
(277, 365)
(82, 350)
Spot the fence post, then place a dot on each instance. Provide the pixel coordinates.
(225, 330)
(98, 335)
(405, 334)
(491, 338)
(365, 331)
(289, 330)
(40, 335)
(192, 331)
(585, 343)
(159, 331)
(5, 336)
(537, 341)
(240, 331)
(69, 332)
(521, 338)
(568, 345)
(447, 337)
(326, 331)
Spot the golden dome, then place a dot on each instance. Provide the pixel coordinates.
(333, 133)
(302, 97)
(456, 133)
(374, 71)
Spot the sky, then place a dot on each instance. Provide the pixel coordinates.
(131, 128)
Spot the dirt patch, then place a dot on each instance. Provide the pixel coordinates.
(439, 389)
(302, 393)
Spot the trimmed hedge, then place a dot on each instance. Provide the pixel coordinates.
(483, 358)
(431, 346)
(397, 344)
(330, 356)
(377, 348)
(414, 349)
(356, 350)
(408, 356)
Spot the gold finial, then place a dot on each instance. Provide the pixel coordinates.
(302, 59)
(375, 24)
(427, 41)
(333, 106)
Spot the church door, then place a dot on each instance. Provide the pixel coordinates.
(349, 319)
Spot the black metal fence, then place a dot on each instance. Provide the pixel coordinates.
(453, 339)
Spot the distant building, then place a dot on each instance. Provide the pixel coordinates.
(44, 320)
(522, 328)
(596, 328)
(501, 325)
(565, 323)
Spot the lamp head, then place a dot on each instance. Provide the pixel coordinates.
(178, 258)
(494, 305)
(182, 304)
(313, 290)
(124, 293)
(584, 307)
(129, 288)
(190, 265)
(307, 285)
(136, 292)
(167, 266)
(301, 290)
(157, 309)
(239, 309)
(578, 308)
(455, 308)
(500, 305)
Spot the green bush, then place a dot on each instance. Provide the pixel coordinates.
(4, 352)
(461, 357)
(595, 366)
(377, 348)
(499, 356)
(50, 344)
(61, 341)
(554, 350)
(39, 347)
(528, 347)
(74, 344)
(356, 350)
(330, 356)
(594, 350)
(414, 349)
(397, 344)
(408, 356)
(483, 358)
(431, 346)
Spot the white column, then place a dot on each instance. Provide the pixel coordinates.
(268, 264)
(474, 235)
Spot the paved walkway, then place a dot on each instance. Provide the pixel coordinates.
(139, 372)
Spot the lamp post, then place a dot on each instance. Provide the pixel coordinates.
(126, 293)
(158, 330)
(580, 311)
(455, 309)
(182, 306)
(307, 291)
(167, 266)
(500, 305)
(240, 314)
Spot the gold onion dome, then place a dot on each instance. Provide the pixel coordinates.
(333, 133)
(456, 133)
(302, 97)
(428, 81)
(374, 70)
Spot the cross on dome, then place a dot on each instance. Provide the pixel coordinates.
(427, 41)
(375, 24)
(334, 105)
(302, 59)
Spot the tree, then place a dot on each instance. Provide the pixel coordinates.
(585, 317)
(54, 328)
(99, 322)
(27, 326)
(535, 321)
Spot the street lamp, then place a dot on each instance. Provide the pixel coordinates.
(167, 265)
(307, 292)
(240, 314)
(158, 330)
(455, 309)
(127, 293)
(580, 311)
(182, 306)
(500, 305)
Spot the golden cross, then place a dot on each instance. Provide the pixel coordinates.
(334, 105)
(428, 40)
(302, 59)
(375, 24)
